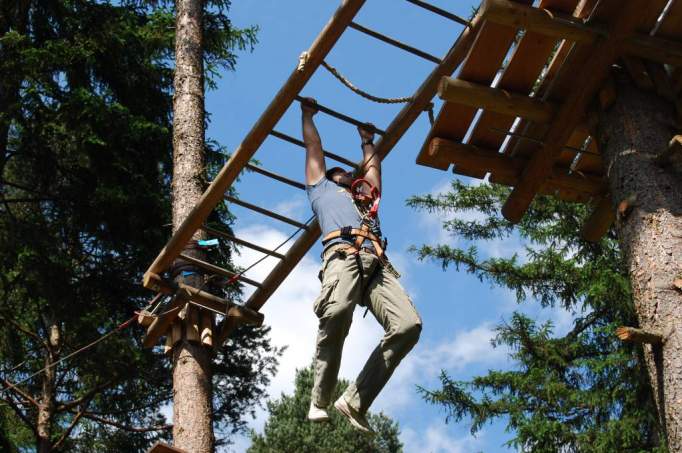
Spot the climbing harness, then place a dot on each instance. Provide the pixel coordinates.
(367, 203)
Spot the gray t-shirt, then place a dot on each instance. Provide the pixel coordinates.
(333, 206)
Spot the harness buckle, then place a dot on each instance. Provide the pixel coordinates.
(346, 233)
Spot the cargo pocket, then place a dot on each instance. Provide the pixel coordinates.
(326, 294)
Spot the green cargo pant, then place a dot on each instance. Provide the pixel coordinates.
(342, 290)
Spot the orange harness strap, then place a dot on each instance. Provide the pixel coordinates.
(360, 234)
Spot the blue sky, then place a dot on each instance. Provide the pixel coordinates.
(458, 311)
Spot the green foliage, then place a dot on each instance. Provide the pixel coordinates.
(585, 391)
(288, 429)
(85, 166)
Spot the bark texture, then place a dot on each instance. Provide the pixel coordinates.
(46, 405)
(192, 396)
(649, 224)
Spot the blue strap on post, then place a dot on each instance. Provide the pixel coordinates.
(208, 243)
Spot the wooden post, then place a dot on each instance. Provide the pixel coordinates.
(509, 169)
(495, 99)
(600, 220)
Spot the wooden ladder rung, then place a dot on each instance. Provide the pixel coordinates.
(295, 141)
(269, 174)
(440, 12)
(340, 116)
(394, 43)
(212, 268)
(239, 241)
(266, 212)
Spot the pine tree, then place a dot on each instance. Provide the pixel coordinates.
(85, 161)
(582, 391)
(288, 429)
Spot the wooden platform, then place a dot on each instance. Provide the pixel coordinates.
(518, 111)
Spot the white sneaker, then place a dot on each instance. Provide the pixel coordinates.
(317, 414)
(356, 419)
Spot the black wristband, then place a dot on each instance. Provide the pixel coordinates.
(367, 142)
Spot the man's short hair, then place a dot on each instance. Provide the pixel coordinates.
(329, 173)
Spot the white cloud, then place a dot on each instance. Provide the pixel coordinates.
(294, 207)
(437, 439)
(432, 224)
(455, 355)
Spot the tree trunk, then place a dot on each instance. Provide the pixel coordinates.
(632, 133)
(46, 406)
(192, 396)
(12, 16)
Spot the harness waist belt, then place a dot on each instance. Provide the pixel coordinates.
(354, 232)
(360, 235)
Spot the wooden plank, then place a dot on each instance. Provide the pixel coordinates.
(482, 63)
(585, 86)
(520, 76)
(559, 26)
(253, 140)
(671, 26)
(637, 70)
(161, 323)
(511, 168)
(265, 212)
(557, 82)
(600, 220)
(160, 447)
(201, 298)
(403, 120)
(206, 329)
(495, 100)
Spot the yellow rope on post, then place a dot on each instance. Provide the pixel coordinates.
(371, 97)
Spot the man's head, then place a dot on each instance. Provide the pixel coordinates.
(340, 176)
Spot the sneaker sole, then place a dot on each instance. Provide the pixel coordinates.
(319, 419)
(343, 408)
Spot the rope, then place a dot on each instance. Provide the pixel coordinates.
(303, 60)
(119, 328)
(236, 276)
(362, 93)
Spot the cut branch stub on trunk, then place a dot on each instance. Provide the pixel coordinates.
(638, 335)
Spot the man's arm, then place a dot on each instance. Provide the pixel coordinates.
(371, 164)
(314, 158)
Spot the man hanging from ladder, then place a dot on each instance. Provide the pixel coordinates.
(355, 271)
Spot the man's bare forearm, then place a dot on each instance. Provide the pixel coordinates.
(371, 163)
(314, 157)
(311, 138)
